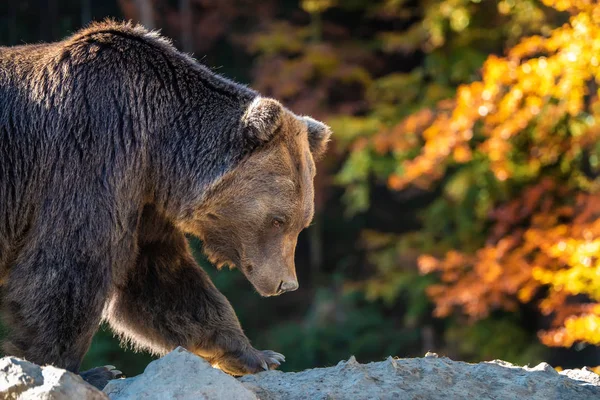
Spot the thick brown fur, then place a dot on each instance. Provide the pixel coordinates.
(113, 146)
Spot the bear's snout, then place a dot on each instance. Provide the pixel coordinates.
(288, 286)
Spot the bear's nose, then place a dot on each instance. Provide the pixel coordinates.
(288, 286)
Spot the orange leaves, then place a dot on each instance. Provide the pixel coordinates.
(514, 154)
(403, 136)
(541, 81)
(525, 140)
(531, 117)
(428, 264)
(462, 154)
(395, 182)
(563, 257)
(479, 284)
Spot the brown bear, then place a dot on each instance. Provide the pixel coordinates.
(113, 146)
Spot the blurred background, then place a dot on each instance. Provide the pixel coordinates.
(457, 209)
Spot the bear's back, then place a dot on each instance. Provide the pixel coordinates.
(49, 130)
(91, 108)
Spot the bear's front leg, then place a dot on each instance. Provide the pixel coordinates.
(166, 300)
(53, 303)
(234, 354)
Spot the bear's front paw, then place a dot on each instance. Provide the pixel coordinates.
(250, 361)
(100, 376)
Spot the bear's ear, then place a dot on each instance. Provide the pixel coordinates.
(318, 136)
(262, 119)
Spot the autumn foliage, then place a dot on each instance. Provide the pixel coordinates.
(526, 136)
(500, 117)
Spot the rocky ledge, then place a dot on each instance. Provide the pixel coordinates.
(182, 375)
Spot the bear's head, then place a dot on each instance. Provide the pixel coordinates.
(254, 214)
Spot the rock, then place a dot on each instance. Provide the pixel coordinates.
(182, 375)
(179, 375)
(432, 377)
(584, 374)
(20, 379)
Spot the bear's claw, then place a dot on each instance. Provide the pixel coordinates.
(100, 376)
(250, 362)
(273, 357)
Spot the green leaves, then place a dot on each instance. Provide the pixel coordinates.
(354, 176)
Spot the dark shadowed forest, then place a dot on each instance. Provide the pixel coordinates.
(457, 208)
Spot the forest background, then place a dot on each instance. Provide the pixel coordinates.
(457, 209)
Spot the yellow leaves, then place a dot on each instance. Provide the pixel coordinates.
(541, 239)
(459, 19)
(570, 251)
(574, 251)
(526, 137)
(571, 5)
(518, 237)
(530, 45)
(504, 7)
(317, 6)
(534, 104)
(498, 72)
(527, 291)
(585, 328)
(580, 271)
(541, 81)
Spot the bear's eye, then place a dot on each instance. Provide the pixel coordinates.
(278, 222)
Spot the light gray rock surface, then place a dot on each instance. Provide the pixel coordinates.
(426, 378)
(182, 375)
(23, 380)
(179, 375)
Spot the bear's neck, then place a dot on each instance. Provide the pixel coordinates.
(200, 142)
